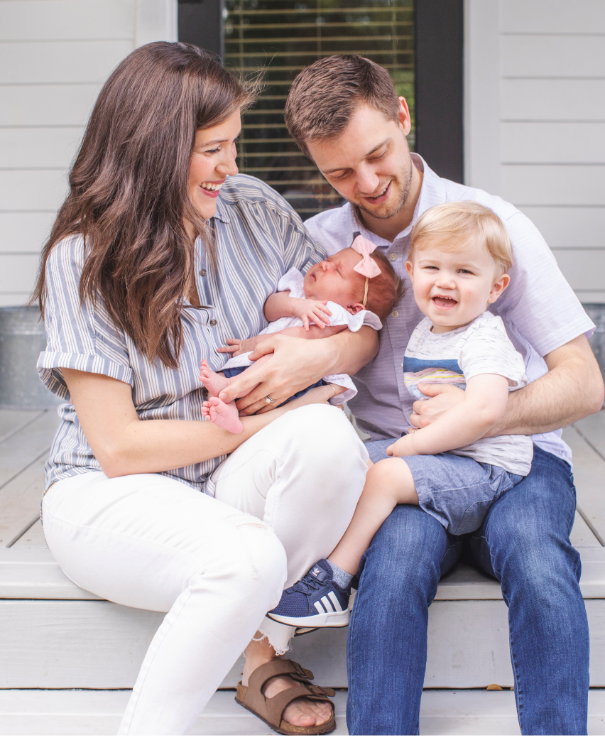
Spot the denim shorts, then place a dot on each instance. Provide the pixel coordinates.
(457, 491)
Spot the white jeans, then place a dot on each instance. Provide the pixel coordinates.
(151, 542)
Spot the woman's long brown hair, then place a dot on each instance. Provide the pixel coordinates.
(128, 190)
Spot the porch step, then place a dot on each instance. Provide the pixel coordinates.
(55, 635)
(99, 712)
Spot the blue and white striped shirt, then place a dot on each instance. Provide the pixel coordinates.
(258, 239)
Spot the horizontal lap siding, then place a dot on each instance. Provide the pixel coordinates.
(552, 129)
(538, 142)
(552, 16)
(54, 57)
(60, 20)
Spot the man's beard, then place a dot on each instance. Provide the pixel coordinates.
(403, 198)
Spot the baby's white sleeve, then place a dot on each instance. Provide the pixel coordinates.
(292, 281)
(489, 350)
(354, 322)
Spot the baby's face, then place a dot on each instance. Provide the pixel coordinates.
(335, 280)
(452, 288)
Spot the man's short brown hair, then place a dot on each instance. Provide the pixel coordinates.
(325, 95)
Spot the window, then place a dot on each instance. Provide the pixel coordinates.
(282, 37)
(419, 41)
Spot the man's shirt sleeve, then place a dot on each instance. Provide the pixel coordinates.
(539, 302)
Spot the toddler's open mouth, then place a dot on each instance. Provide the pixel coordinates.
(444, 302)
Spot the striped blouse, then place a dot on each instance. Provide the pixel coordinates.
(258, 239)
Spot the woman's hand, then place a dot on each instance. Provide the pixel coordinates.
(311, 311)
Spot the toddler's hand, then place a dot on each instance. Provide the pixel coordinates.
(311, 310)
(236, 346)
(401, 448)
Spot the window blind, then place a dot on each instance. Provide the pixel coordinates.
(281, 37)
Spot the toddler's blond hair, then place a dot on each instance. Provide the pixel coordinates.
(455, 223)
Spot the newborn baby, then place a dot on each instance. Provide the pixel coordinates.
(355, 286)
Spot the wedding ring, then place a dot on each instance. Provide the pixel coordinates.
(269, 400)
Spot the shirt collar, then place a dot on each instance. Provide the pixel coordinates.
(222, 212)
(432, 192)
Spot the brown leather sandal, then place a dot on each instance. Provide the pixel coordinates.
(270, 710)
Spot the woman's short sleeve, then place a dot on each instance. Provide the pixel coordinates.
(78, 336)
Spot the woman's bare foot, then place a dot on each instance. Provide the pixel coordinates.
(301, 712)
(223, 415)
(214, 382)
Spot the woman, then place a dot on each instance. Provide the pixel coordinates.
(155, 259)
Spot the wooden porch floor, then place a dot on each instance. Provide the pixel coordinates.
(25, 439)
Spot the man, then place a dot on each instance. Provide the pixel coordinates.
(345, 115)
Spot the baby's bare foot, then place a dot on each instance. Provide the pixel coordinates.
(214, 382)
(223, 415)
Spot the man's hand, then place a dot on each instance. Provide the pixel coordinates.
(442, 397)
(311, 311)
(295, 364)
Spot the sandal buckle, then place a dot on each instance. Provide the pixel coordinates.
(319, 691)
(301, 672)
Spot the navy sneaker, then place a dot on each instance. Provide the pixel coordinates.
(314, 601)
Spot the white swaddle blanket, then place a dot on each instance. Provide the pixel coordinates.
(293, 281)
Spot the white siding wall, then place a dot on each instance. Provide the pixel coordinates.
(535, 122)
(54, 57)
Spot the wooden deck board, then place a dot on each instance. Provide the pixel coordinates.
(93, 712)
(592, 428)
(468, 639)
(581, 534)
(32, 537)
(12, 421)
(20, 503)
(25, 438)
(589, 475)
(25, 435)
(26, 445)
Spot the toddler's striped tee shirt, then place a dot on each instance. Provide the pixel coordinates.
(455, 357)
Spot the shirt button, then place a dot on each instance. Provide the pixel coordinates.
(395, 313)
(213, 323)
(203, 272)
(393, 257)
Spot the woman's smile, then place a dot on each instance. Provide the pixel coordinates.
(212, 188)
(213, 159)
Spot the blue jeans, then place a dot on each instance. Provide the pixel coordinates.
(523, 543)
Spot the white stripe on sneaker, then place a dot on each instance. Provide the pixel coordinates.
(334, 600)
(319, 607)
(329, 608)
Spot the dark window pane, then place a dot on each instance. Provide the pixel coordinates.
(281, 37)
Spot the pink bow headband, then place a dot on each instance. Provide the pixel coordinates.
(367, 266)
